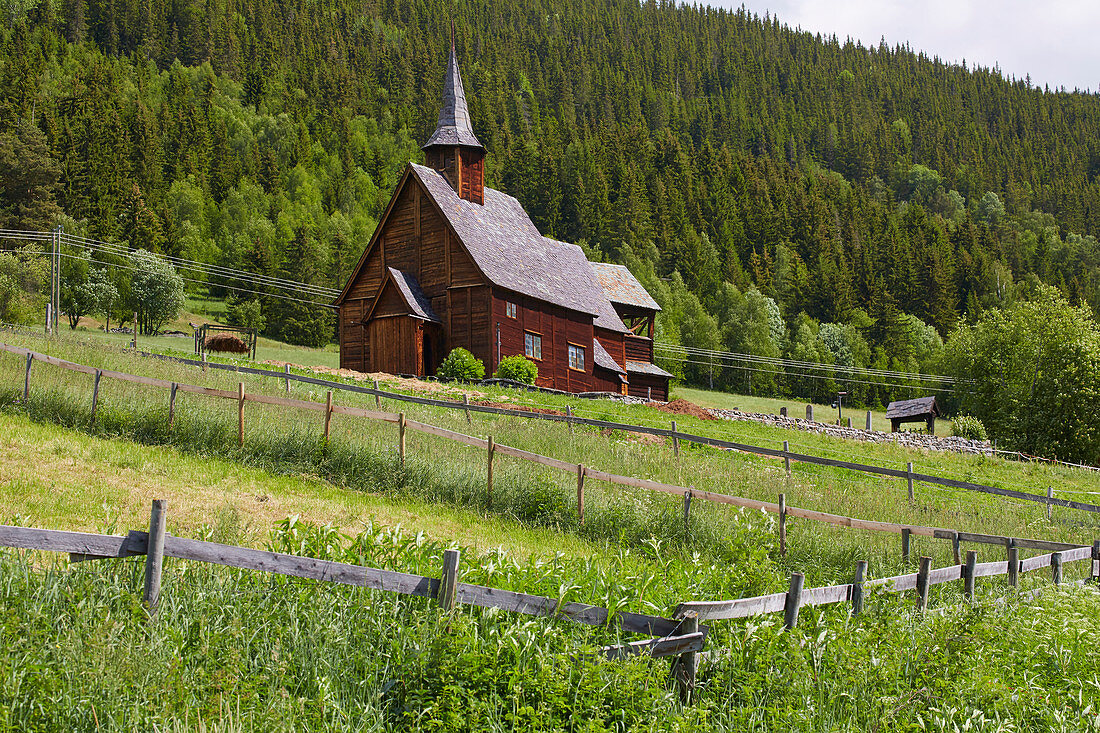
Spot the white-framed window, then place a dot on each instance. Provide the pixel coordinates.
(532, 345)
(576, 357)
(510, 310)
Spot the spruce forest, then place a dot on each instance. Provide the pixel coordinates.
(780, 193)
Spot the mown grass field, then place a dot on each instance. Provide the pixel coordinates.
(241, 651)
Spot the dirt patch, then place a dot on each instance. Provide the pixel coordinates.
(683, 407)
(523, 408)
(385, 381)
(640, 438)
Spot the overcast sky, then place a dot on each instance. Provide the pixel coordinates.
(1056, 41)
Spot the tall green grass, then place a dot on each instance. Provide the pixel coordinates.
(362, 455)
(245, 651)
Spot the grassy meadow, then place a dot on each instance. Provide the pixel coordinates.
(245, 651)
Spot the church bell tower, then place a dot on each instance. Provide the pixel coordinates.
(453, 149)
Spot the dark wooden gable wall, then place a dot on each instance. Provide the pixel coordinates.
(413, 237)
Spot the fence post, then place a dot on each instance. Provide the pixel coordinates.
(27, 378)
(377, 397)
(134, 344)
(1050, 495)
(1056, 567)
(955, 549)
(968, 574)
(922, 582)
(909, 478)
(857, 587)
(580, 492)
(849, 419)
(686, 665)
(466, 401)
(868, 421)
(1094, 572)
(154, 555)
(810, 413)
(172, 406)
(569, 417)
(787, 456)
(328, 414)
(401, 436)
(448, 583)
(675, 441)
(906, 540)
(794, 600)
(782, 524)
(240, 413)
(1013, 565)
(286, 371)
(204, 361)
(95, 392)
(687, 510)
(489, 470)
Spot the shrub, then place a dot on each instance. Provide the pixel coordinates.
(968, 427)
(246, 314)
(460, 364)
(518, 368)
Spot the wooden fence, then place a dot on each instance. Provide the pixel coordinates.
(493, 448)
(668, 636)
(676, 436)
(680, 637)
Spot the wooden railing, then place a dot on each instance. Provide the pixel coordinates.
(787, 455)
(680, 637)
(492, 448)
(447, 590)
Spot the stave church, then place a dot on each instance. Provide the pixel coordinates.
(454, 263)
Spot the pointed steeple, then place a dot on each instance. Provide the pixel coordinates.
(454, 126)
(453, 148)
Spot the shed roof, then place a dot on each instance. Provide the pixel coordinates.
(508, 248)
(916, 408)
(419, 305)
(601, 358)
(620, 286)
(644, 367)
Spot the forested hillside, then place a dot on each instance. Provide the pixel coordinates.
(819, 200)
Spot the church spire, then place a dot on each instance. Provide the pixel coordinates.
(454, 126)
(453, 149)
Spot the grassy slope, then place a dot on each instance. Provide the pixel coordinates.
(56, 478)
(543, 498)
(241, 652)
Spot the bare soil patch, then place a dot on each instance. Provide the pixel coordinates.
(683, 407)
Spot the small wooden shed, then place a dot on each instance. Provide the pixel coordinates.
(921, 409)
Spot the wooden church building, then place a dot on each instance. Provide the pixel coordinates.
(453, 263)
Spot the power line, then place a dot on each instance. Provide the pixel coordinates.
(804, 375)
(816, 366)
(208, 269)
(202, 282)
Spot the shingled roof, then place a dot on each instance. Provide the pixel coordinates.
(644, 367)
(601, 358)
(621, 287)
(916, 408)
(454, 126)
(508, 248)
(419, 305)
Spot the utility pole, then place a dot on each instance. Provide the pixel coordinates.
(55, 281)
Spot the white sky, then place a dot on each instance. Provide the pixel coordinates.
(1056, 41)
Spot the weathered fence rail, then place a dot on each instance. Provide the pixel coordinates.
(848, 593)
(83, 547)
(672, 433)
(582, 472)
